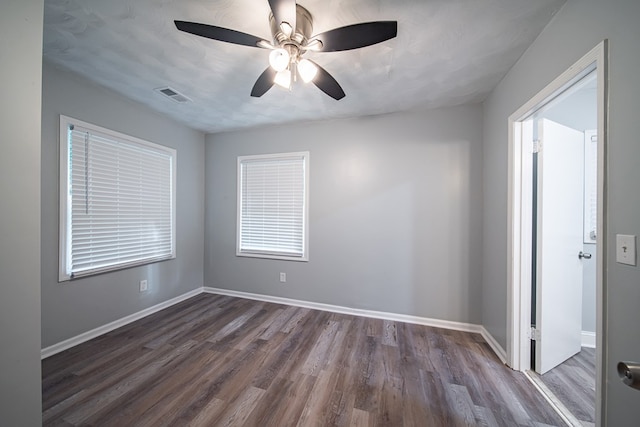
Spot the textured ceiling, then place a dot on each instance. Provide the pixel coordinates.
(447, 52)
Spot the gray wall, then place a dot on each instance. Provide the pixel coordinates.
(21, 59)
(70, 308)
(395, 213)
(575, 30)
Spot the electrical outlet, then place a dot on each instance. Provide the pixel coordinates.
(144, 286)
(283, 277)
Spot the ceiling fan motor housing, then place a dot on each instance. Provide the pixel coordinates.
(300, 35)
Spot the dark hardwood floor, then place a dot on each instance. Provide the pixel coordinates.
(574, 384)
(221, 361)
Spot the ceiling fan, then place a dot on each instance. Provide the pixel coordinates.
(291, 28)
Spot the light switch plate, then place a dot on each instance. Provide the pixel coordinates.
(626, 249)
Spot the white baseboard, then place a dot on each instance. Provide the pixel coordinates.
(446, 324)
(495, 346)
(437, 323)
(89, 335)
(588, 339)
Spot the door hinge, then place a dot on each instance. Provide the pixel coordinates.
(537, 146)
(535, 334)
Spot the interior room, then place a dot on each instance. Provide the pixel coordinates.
(401, 266)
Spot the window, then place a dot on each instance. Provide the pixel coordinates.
(273, 206)
(117, 200)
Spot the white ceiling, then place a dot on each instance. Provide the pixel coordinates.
(447, 52)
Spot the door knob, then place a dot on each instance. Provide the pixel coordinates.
(584, 255)
(629, 373)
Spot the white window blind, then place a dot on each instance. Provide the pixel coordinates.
(117, 200)
(272, 206)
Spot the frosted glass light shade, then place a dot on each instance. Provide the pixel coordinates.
(279, 59)
(286, 28)
(307, 70)
(283, 79)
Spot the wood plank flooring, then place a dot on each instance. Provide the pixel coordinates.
(574, 384)
(221, 361)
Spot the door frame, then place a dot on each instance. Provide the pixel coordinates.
(519, 218)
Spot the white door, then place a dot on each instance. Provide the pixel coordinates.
(559, 241)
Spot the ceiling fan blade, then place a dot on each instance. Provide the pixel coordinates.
(220, 34)
(264, 82)
(357, 35)
(327, 83)
(284, 11)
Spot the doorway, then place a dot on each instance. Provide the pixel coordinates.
(540, 186)
(563, 279)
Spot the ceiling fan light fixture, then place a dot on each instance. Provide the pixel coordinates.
(292, 35)
(283, 79)
(279, 59)
(286, 28)
(307, 70)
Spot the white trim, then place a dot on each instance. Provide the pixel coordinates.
(101, 330)
(602, 242)
(493, 343)
(562, 411)
(588, 339)
(436, 323)
(518, 240)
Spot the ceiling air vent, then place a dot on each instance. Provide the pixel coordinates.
(173, 94)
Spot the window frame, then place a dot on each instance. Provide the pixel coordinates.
(305, 212)
(65, 199)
